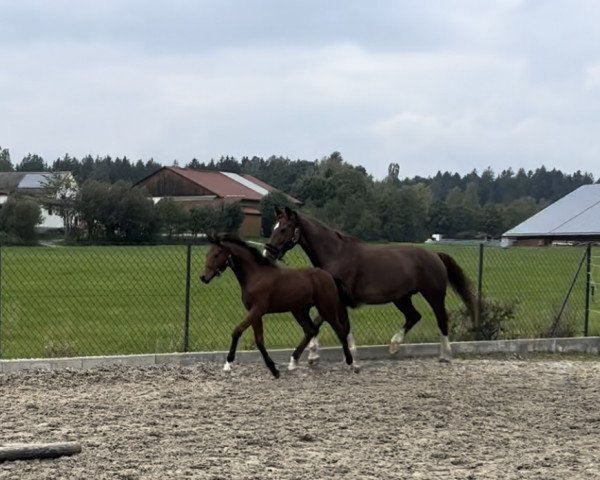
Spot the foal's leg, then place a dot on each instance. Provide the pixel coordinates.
(257, 326)
(235, 336)
(310, 330)
(330, 312)
(412, 317)
(313, 345)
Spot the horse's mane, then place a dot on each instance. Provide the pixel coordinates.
(258, 257)
(340, 235)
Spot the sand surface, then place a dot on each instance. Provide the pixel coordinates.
(398, 419)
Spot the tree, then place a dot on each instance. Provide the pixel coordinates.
(136, 218)
(519, 210)
(393, 173)
(194, 164)
(439, 219)
(204, 220)
(491, 220)
(267, 213)
(231, 218)
(173, 215)
(60, 192)
(117, 212)
(313, 190)
(92, 204)
(32, 163)
(19, 217)
(350, 183)
(5, 163)
(403, 211)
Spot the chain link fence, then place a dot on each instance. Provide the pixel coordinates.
(80, 301)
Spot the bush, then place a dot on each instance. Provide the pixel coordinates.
(564, 324)
(18, 219)
(493, 319)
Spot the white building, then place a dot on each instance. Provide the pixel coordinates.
(36, 185)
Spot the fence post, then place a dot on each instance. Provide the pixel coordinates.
(480, 283)
(188, 275)
(588, 279)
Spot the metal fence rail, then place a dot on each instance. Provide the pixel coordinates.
(78, 301)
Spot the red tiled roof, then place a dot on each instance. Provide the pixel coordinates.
(224, 186)
(221, 185)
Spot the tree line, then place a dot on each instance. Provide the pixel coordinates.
(345, 196)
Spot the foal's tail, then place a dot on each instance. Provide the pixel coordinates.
(461, 285)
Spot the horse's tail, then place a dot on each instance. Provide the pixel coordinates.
(345, 294)
(461, 285)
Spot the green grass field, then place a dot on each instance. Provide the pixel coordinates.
(67, 301)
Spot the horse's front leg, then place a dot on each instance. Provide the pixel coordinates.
(257, 326)
(235, 336)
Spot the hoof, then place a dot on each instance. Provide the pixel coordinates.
(227, 367)
(355, 368)
(313, 361)
(293, 365)
(276, 373)
(394, 348)
(445, 360)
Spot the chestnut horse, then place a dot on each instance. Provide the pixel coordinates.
(266, 288)
(375, 274)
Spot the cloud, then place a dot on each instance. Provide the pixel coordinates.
(432, 85)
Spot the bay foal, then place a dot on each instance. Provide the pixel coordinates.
(266, 288)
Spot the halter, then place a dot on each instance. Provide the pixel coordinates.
(229, 263)
(288, 245)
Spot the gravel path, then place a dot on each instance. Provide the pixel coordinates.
(399, 419)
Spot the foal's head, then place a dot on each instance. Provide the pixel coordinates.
(225, 249)
(218, 259)
(285, 235)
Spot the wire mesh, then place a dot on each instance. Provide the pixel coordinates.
(81, 301)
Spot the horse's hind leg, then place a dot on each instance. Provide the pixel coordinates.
(437, 302)
(343, 314)
(310, 330)
(411, 315)
(257, 326)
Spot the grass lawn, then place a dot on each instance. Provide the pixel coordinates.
(66, 301)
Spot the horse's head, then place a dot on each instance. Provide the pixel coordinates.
(286, 233)
(218, 259)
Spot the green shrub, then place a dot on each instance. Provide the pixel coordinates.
(493, 321)
(564, 324)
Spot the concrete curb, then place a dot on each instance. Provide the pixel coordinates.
(590, 345)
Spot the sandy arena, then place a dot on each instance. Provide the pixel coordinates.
(399, 419)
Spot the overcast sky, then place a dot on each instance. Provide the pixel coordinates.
(431, 85)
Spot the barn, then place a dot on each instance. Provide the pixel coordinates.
(575, 218)
(194, 188)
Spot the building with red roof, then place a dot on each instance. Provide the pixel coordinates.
(210, 188)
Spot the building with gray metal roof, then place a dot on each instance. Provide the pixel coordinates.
(576, 217)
